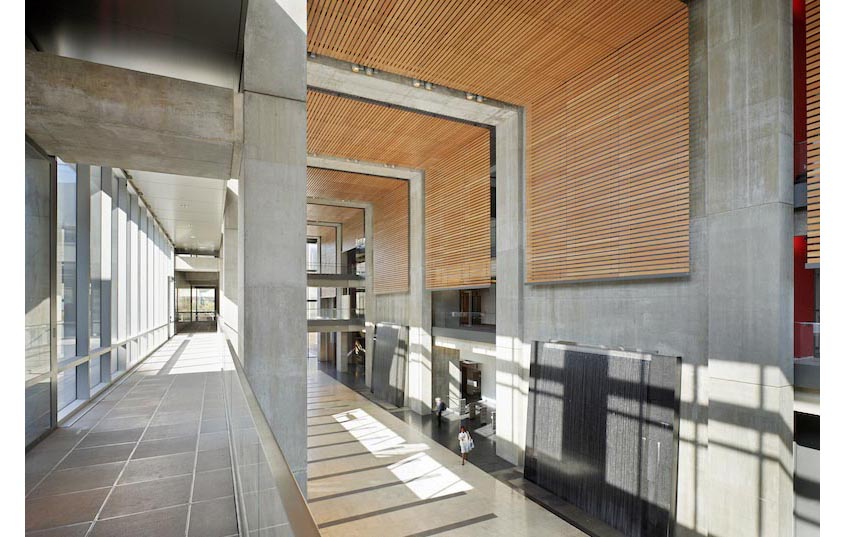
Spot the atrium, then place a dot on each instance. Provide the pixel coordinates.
(280, 253)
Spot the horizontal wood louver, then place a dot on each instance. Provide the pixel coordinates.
(608, 165)
(352, 230)
(457, 218)
(511, 50)
(456, 159)
(389, 198)
(813, 36)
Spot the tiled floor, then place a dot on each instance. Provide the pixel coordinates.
(151, 458)
(371, 473)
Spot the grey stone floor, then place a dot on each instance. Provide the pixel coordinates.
(150, 458)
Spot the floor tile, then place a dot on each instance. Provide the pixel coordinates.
(78, 479)
(76, 530)
(63, 510)
(96, 455)
(213, 484)
(140, 497)
(146, 469)
(213, 459)
(160, 523)
(111, 437)
(215, 518)
(167, 446)
(218, 440)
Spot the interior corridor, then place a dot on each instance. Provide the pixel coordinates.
(370, 473)
(151, 457)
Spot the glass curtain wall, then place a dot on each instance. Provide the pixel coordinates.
(112, 266)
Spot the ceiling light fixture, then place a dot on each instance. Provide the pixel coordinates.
(356, 68)
(416, 83)
(369, 71)
(429, 86)
(470, 96)
(312, 55)
(479, 98)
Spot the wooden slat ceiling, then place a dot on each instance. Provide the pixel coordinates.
(390, 219)
(331, 213)
(813, 33)
(455, 157)
(607, 161)
(511, 50)
(351, 220)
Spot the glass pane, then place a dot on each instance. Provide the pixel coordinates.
(67, 387)
(96, 276)
(37, 409)
(94, 371)
(66, 255)
(204, 300)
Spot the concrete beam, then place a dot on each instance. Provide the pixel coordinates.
(88, 112)
(337, 76)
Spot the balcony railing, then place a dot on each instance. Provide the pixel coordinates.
(335, 268)
(334, 314)
(467, 320)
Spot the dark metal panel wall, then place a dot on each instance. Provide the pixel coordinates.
(390, 363)
(602, 433)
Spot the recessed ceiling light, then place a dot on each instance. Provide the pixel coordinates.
(416, 83)
(470, 96)
(312, 55)
(479, 98)
(356, 68)
(429, 86)
(369, 71)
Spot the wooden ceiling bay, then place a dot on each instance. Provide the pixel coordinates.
(510, 50)
(350, 219)
(605, 87)
(389, 198)
(455, 157)
(813, 81)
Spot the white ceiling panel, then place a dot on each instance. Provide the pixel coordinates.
(189, 208)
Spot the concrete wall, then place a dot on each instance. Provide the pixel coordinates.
(38, 261)
(729, 319)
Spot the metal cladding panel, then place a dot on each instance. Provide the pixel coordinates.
(390, 363)
(602, 433)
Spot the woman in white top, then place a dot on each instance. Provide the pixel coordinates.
(465, 441)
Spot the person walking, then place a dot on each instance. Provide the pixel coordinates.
(466, 443)
(441, 407)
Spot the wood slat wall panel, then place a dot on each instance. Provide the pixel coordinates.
(813, 33)
(390, 198)
(608, 165)
(455, 157)
(457, 217)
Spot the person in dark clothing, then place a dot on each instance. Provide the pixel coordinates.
(440, 408)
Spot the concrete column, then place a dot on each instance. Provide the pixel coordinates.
(271, 222)
(749, 198)
(370, 302)
(419, 337)
(512, 351)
